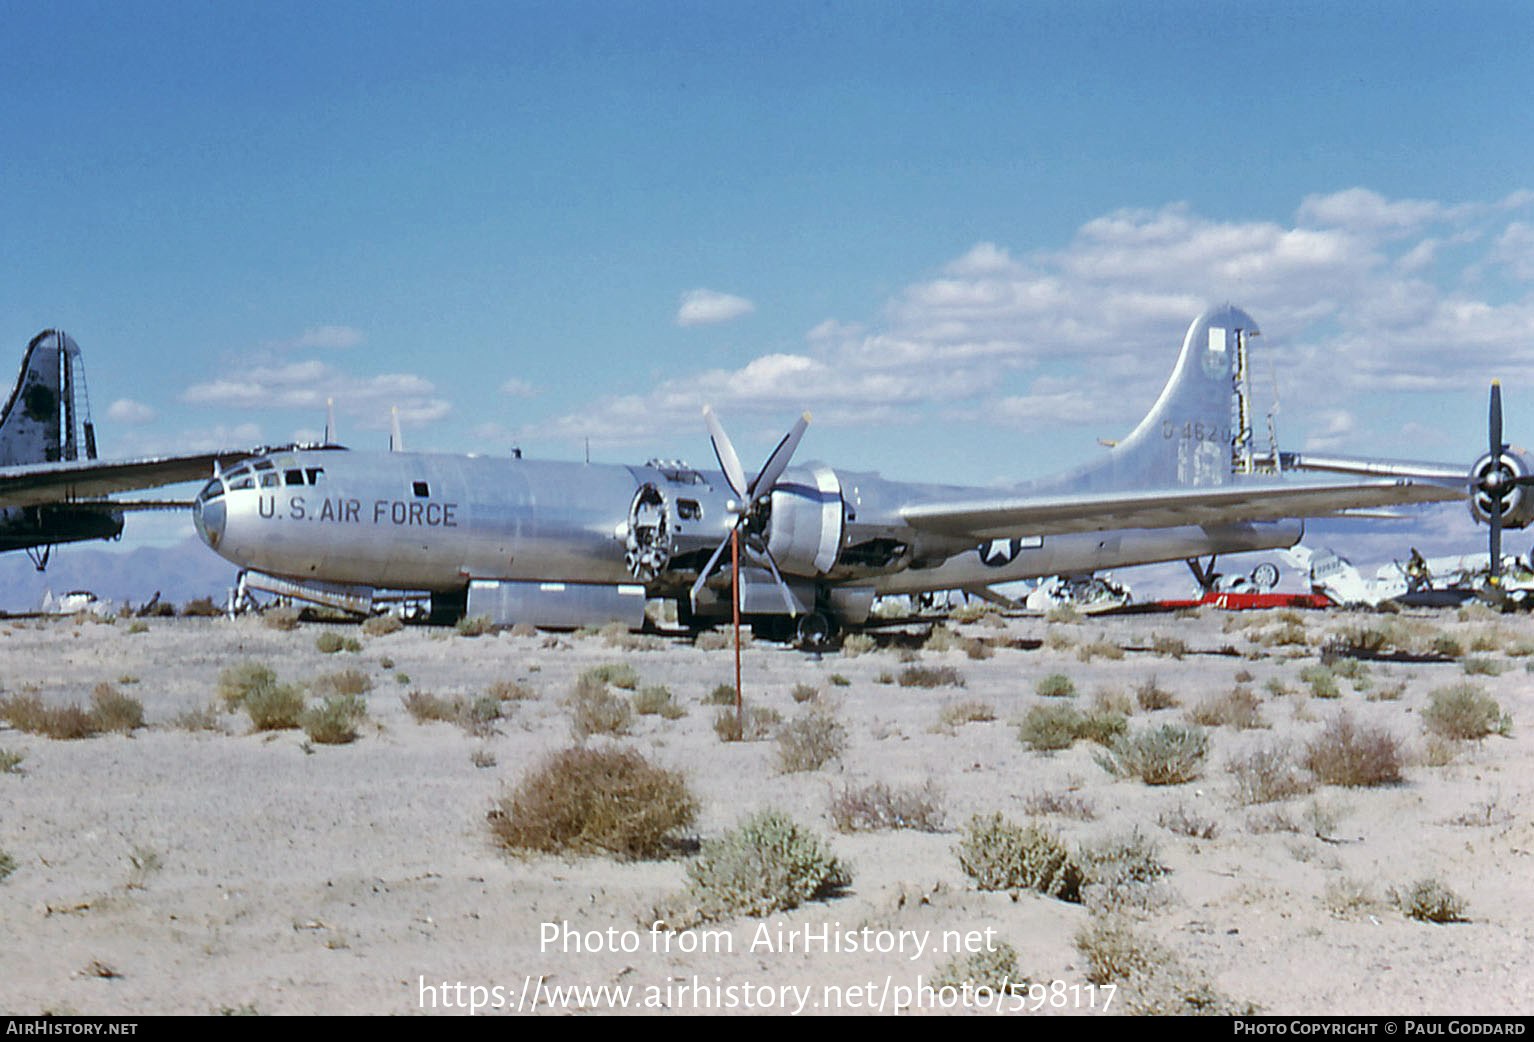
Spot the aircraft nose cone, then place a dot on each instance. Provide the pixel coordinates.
(209, 516)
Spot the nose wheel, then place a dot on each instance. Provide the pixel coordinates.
(815, 631)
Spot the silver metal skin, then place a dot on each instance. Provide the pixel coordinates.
(1186, 482)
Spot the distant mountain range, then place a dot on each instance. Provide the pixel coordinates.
(180, 573)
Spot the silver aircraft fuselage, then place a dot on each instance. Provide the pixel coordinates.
(414, 521)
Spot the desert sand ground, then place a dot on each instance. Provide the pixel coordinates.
(192, 872)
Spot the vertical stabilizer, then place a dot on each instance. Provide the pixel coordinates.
(43, 418)
(1199, 431)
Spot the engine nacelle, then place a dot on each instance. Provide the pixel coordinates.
(804, 529)
(1502, 472)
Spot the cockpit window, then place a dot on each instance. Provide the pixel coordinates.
(262, 464)
(293, 477)
(315, 473)
(269, 480)
(236, 483)
(212, 490)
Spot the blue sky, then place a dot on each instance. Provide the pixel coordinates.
(967, 237)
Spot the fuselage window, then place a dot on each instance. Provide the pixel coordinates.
(246, 482)
(269, 480)
(315, 473)
(422, 490)
(293, 477)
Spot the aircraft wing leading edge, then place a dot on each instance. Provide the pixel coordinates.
(34, 484)
(1230, 504)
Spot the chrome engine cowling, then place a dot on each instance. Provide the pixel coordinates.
(804, 529)
(1491, 473)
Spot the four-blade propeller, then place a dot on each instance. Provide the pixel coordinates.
(747, 496)
(1498, 482)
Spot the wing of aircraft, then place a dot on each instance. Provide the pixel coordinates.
(52, 486)
(1100, 512)
(571, 544)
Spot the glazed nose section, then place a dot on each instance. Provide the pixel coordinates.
(209, 516)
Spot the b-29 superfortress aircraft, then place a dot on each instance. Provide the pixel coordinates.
(564, 544)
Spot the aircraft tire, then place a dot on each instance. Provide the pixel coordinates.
(815, 632)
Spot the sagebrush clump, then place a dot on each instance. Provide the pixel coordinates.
(869, 808)
(810, 741)
(1464, 712)
(595, 801)
(999, 855)
(334, 720)
(1165, 755)
(1429, 901)
(768, 864)
(1353, 754)
(595, 710)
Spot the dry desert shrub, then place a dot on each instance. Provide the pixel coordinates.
(595, 801)
(274, 707)
(1463, 712)
(595, 710)
(345, 682)
(999, 855)
(1155, 981)
(994, 969)
(524, 629)
(28, 713)
(1165, 755)
(473, 626)
(1152, 696)
(712, 640)
(1170, 646)
(1322, 681)
(1237, 708)
(1102, 647)
(1062, 804)
(969, 711)
(1112, 700)
(1348, 898)
(930, 676)
(657, 700)
(878, 806)
(1064, 613)
(722, 695)
(329, 642)
(1481, 665)
(618, 674)
(1055, 685)
(1429, 901)
(810, 741)
(282, 618)
(511, 691)
(240, 679)
(1268, 773)
(941, 638)
(201, 608)
(805, 693)
(751, 724)
(1056, 726)
(10, 762)
(1353, 754)
(7, 864)
(115, 711)
(203, 719)
(1188, 823)
(476, 717)
(768, 864)
(382, 625)
(334, 720)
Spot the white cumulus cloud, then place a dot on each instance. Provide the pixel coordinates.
(702, 307)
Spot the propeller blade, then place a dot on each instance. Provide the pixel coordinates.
(778, 461)
(788, 597)
(724, 451)
(708, 569)
(1498, 492)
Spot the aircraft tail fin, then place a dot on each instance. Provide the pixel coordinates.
(1199, 432)
(47, 417)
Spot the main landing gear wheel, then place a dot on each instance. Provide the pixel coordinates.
(815, 631)
(1265, 576)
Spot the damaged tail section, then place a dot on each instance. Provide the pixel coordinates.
(47, 418)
